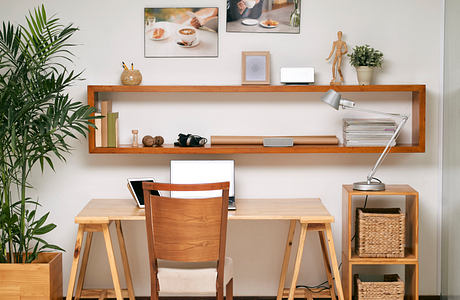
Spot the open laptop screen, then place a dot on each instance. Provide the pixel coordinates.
(202, 171)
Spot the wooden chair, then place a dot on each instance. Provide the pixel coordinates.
(190, 231)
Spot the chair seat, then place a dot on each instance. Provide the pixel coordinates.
(191, 279)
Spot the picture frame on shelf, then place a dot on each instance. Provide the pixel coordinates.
(255, 67)
(181, 32)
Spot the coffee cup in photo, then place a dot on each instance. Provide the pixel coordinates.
(250, 3)
(187, 34)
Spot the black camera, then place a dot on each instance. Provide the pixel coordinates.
(190, 140)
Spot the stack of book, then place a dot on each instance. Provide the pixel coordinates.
(107, 127)
(368, 132)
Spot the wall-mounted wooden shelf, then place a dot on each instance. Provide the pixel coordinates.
(418, 118)
(248, 149)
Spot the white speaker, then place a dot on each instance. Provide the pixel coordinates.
(303, 75)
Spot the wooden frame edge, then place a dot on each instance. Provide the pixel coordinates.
(244, 55)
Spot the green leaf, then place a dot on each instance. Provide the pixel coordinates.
(37, 116)
(45, 229)
(51, 247)
(41, 221)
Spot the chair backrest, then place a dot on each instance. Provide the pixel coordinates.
(187, 230)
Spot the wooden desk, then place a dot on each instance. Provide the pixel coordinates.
(97, 215)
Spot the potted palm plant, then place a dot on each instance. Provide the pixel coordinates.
(37, 121)
(365, 59)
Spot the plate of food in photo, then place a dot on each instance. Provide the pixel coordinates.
(159, 34)
(269, 23)
(184, 44)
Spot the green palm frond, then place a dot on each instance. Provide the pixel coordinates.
(37, 121)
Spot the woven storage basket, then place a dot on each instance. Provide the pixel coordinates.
(392, 288)
(380, 232)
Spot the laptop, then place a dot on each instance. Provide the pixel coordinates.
(203, 171)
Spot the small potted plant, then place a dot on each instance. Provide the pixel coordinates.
(365, 59)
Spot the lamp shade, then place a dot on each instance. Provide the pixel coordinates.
(332, 98)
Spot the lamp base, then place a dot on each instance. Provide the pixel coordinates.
(366, 186)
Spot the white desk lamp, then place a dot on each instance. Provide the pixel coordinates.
(335, 100)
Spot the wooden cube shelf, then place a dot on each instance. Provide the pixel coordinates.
(417, 145)
(410, 259)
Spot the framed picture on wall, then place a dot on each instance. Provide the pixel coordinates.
(181, 32)
(265, 16)
(255, 67)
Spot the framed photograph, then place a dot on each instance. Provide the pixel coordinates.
(255, 67)
(265, 16)
(181, 32)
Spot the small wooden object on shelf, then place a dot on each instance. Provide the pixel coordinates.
(410, 260)
(340, 48)
(150, 141)
(135, 133)
(416, 145)
(147, 141)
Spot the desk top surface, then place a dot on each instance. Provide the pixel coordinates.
(305, 210)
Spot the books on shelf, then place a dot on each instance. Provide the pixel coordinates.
(98, 130)
(112, 130)
(368, 132)
(106, 108)
(106, 133)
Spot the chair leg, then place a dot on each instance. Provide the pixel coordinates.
(153, 290)
(220, 293)
(229, 290)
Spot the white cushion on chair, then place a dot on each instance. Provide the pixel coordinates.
(191, 279)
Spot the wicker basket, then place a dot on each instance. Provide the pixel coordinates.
(392, 288)
(380, 232)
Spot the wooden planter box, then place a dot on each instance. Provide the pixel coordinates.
(39, 280)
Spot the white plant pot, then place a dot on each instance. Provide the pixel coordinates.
(364, 75)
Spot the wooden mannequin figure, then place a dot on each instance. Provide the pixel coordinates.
(340, 48)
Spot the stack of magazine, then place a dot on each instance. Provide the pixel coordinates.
(368, 132)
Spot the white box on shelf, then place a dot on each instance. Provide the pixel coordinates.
(300, 75)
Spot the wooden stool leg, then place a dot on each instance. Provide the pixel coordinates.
(335, 268)
(327, 264)
(124, 258)
(303, 234)
(76, 258)
(102, 295)
(84, 263)
(112, 263)
(287, 255)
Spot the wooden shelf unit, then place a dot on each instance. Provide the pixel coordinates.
(411, 259)
(418, 118)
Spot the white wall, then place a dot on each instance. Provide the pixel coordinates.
(451, 159)
(409, 34)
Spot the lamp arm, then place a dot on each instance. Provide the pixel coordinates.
(374, 111)
(387, 148)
